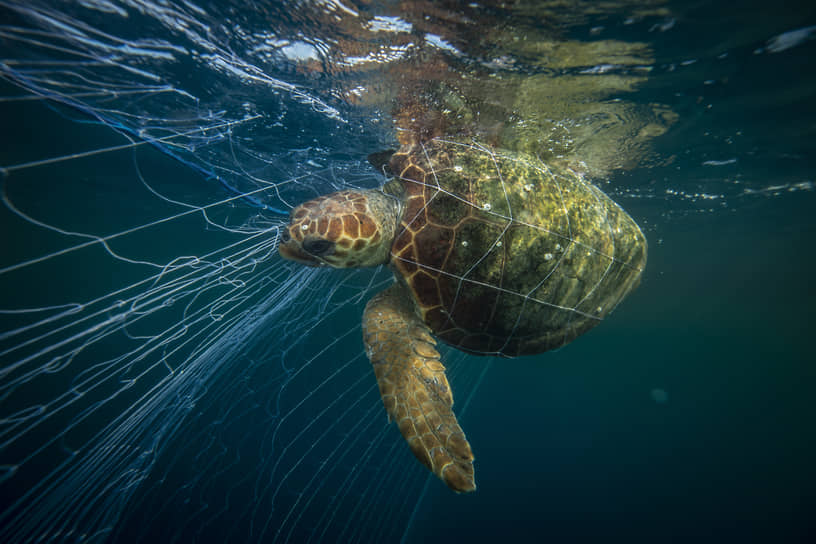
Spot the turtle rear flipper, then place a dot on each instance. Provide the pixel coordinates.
(414, 388)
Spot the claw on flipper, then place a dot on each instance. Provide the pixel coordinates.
(414, 388)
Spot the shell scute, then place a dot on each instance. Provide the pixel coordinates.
(432, 246)
(506, 255)
(425, 288)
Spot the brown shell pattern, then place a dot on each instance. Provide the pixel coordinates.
(506, 255)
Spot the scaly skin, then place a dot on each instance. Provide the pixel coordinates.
(356, 226)
(414, 388)
(493, 252)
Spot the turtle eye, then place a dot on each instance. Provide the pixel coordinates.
(284, 236)
(318, 248)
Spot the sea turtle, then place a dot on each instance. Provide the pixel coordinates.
(493, 252)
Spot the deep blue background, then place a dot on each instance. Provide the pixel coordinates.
(571, 446)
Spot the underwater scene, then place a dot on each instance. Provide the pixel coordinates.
(171, 371)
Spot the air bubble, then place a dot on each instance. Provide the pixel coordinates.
(548, 256)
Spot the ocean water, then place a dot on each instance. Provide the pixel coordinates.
(167, 376)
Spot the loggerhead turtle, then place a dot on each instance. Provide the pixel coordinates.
(493, 252)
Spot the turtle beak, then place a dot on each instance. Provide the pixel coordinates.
(291, 250)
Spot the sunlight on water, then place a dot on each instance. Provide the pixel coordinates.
(174, 339)
(167, 333)
(164, 374)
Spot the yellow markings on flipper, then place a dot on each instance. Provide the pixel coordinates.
(414, 388)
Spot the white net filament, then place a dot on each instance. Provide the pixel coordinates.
(163, 373)
(507, 219)
(183, 343)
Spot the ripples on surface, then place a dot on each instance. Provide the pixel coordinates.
(164, 373)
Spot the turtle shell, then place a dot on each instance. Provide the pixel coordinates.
(504, 254)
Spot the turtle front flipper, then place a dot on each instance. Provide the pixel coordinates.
(414, 388)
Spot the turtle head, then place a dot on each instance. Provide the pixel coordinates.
(346, 229)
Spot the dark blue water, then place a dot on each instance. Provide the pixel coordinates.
(686, 416)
